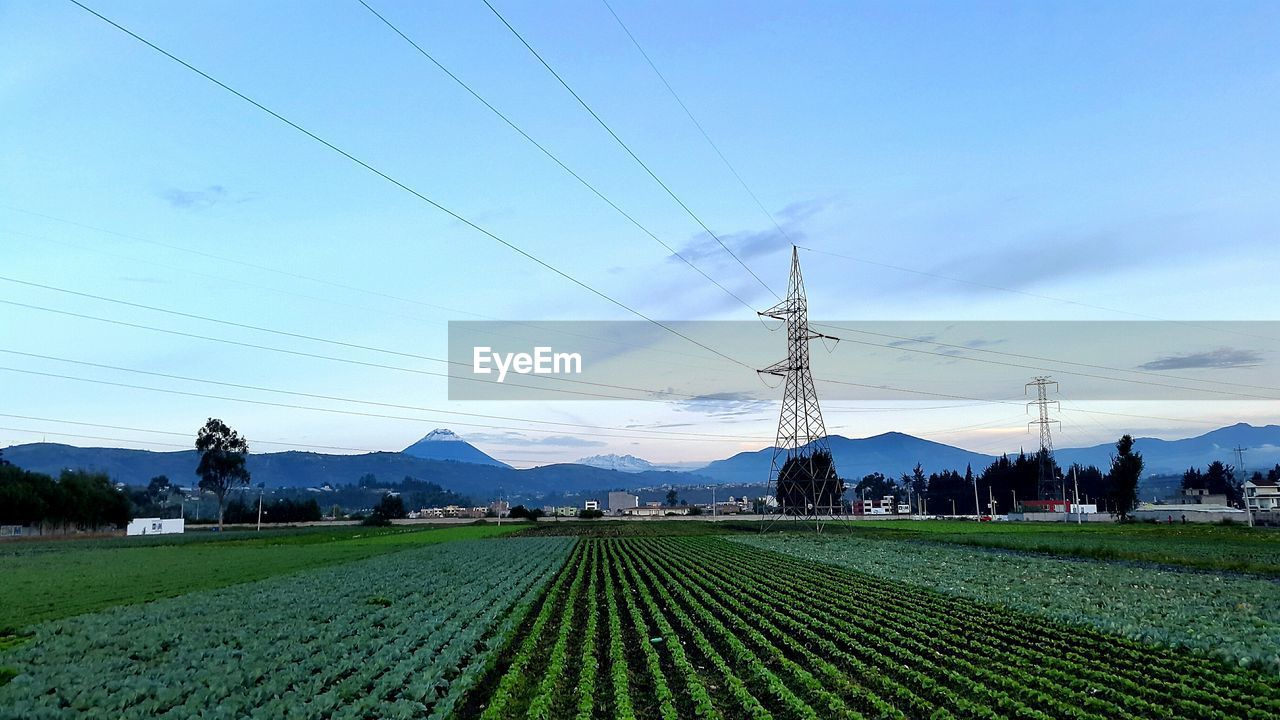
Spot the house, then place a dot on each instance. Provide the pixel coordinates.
(1262, 496)
(155, 526)
(591, 505)
(619, 501)
(659, 511)
(1198, 496)
(883, 506)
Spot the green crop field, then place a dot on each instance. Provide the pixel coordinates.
(1213, 547)
(49, 580)
(641, 620)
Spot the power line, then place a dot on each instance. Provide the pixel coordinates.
(273, 289)
(1025, 293)
(348, 361)
(317, 396)
(625, 147)
(301, 336)
(160, 432)
(1063, 372)
(688, 437)
(402, 185)
(549, 154)
(695, 122)
(1030, 357)
(952, 396)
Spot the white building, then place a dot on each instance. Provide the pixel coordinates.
(155, 526)
(591, 505)
(1262, 496)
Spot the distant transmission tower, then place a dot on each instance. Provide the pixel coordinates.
(1048, 485)
(802, 476)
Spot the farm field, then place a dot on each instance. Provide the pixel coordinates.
(1236, 617)
(50, 580)
(704, 627)
(399, 635)
(651, 620)
(1211, 547)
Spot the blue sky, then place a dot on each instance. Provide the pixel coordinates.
(1121, 155)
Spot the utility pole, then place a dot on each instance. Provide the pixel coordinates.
(259, 507)
(953, 507)
(1075, 483)
(802, 475)
(1248, 513)
(991, 500)
(1048, 481)
(977, 508)
(713, 502)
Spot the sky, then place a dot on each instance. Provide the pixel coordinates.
(992, 161)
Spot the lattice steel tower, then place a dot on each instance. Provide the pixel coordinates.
(802, 476)
(1049, 484)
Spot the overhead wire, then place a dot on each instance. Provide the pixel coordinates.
(687, 437)
(575, 175)
(706, 136)
(628, 149)
(403, 186)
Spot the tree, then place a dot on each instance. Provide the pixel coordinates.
(222, 459)
(1126, 469)
(672, 497)
(586, 514)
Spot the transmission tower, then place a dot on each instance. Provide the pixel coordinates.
(1048, 482)
(802, 476)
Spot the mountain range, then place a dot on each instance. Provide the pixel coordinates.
(445, 458)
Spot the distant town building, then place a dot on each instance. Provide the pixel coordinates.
(658, 510)
(155, 526)
(619, 501)
(1262, 496)
(591, 505)
(501, 508)
(1198, 496)
(883, 506)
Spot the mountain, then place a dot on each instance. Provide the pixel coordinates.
(621, 463)
(892, 453)
(1174, 456)
(481, 481)
(442, 444)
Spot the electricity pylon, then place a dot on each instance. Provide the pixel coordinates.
(1048, 481)
(802, 476)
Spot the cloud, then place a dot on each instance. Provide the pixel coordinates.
(725, 404)
(203, 199)
(1220, 358)
(747, 244)
(517, 439)
(194, 199)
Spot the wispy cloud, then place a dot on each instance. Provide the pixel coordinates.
(518, 439)
(1220, 358)
(725, 404)
(203, 199)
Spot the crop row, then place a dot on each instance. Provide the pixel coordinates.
(1234, 617)
(704, 627)
(402, 635)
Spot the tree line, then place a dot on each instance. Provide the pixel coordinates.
(1009, 478)
(77, 499)
(1220, 478)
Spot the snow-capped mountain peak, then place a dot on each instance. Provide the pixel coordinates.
(441, 435)
(621, 463)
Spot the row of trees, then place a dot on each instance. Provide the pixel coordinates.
(1008, 478)
(275, 511)
(75, 500)
(1220, 479)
